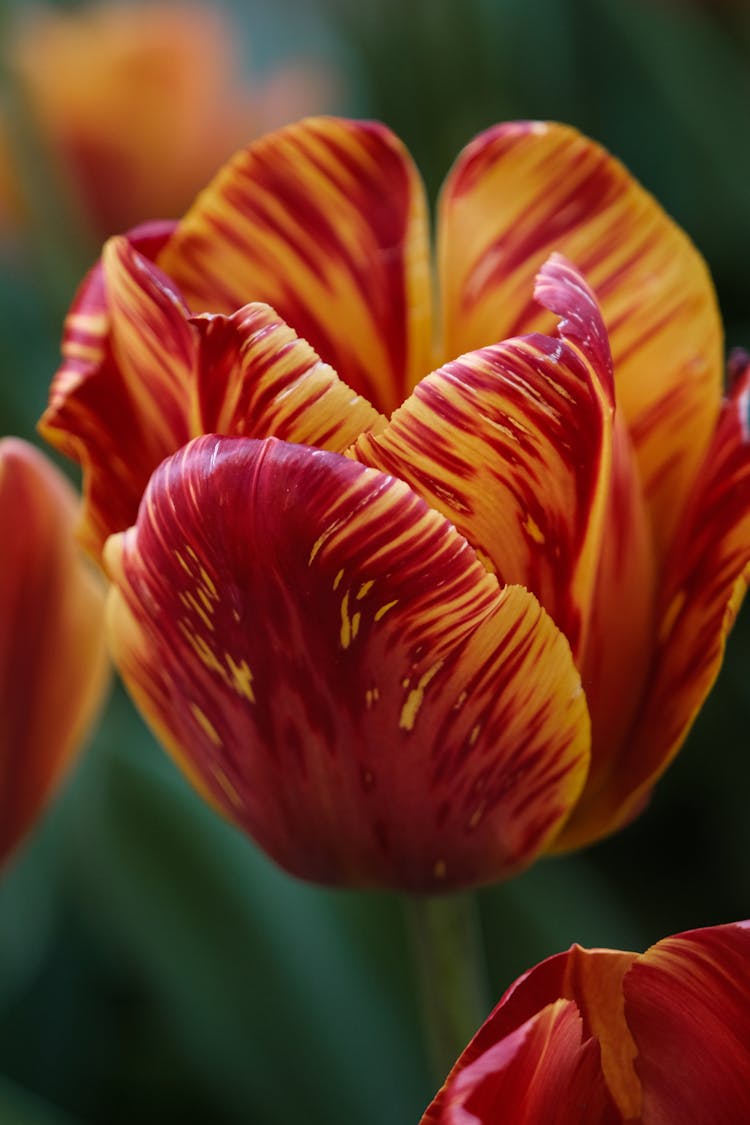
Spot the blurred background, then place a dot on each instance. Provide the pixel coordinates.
(153, 966)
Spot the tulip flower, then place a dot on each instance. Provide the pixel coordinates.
(53, 664)
(412, 628)
(136, 104)
(600, 1037)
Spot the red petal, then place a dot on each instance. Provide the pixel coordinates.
(94, 413)
(705, 582)
(540, 1074)
(333, 666)
(687, 1001)
(53, 665)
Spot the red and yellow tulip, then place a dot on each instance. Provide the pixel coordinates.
(136, 104)
(53, 664)
(406, 628)
(600, 1037)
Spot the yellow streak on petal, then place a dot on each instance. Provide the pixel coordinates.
(209, 584)
(192, 602)
(206, 599)
(242, 677)
(202, 650)
(227, 787)
(380, 613)
(364, 590)
(205, 724)
(182, 563)
(316, 547)
(673, 612)
(476, 816)
(414, 700)
(534, 530)
(349, 626)
(440, 869)
(337, 579)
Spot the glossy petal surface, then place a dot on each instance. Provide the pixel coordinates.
(543, 1073)
(522, 190)
(53, 666)
(339, 673)
(611, 1038)
(326, 222)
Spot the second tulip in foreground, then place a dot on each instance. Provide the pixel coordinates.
(412, 629)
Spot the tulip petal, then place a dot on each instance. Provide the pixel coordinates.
(542, 1073)
(96, 412)
(513, 444)
(339, 674)
(705, 581)
(687, 1001)
(326, 222)
(522, 190)
(152, 344)
(593, 979)
(255, 378)
(53, 664)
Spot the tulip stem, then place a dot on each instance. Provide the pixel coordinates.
(451, 973)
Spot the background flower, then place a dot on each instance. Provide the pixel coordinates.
(597, 1037)
(53, 664)
(132, 106)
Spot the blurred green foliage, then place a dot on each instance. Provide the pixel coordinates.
(153, 966)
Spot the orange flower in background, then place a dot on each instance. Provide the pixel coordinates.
(137, 104)
(600, 1037)
(405, 628)
(53, 665)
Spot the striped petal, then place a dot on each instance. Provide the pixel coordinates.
(687, 1002)
(53, 665)
(256, 378)
(105, 415)
(339, 674)
(522, 190)
(513, 444)
(705, 582)
(326, 222)
(593, 980)
(543, 1073)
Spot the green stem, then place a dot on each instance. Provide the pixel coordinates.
(451, 973)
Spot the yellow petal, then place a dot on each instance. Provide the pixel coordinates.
(326, 222)
(256, 378)
(522, 190)
(513, 444)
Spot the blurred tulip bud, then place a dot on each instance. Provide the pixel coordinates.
(53, 664)
(135, 105)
